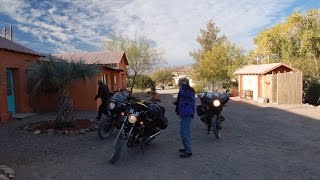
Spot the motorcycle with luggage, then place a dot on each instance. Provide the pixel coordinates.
(142, 124)
(210, 110)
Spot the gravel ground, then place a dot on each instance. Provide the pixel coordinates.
(259, 141)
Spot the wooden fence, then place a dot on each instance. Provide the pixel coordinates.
(284, 88)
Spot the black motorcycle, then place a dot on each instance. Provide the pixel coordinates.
(142, 124)
(210, 110)
(114, 114)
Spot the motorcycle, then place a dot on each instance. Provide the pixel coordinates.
(114, 114)
(142, 124)
(210, 110)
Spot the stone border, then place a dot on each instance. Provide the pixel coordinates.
(30, 128)
(6, 173)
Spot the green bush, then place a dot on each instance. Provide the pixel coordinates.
(144, 82)
(311, 90)
(198, 89)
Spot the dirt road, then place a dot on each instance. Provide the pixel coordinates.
(259, 141)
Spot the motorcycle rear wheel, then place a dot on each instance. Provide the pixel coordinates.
(116, 149)
(215, 127)
(105, 127)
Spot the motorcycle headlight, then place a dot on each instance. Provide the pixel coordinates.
(216, 103)
(132, 119)
(111, 105)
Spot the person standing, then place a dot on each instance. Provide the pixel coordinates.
(185, 108)
(104, 94)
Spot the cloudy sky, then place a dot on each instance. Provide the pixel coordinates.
(59, 26)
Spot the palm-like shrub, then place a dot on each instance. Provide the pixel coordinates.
(58, 74)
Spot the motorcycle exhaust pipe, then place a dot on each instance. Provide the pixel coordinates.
(151, 137)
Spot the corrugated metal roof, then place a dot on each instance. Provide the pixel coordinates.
(12, 46)
(260, 69)
(103, 57)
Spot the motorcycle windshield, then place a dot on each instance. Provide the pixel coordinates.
(119, 97)
(223, 97)
(209, 96)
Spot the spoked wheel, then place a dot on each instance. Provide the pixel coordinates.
(216, 126)
(116, 149)
(105, 127)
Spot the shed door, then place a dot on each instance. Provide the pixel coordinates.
(10, 91)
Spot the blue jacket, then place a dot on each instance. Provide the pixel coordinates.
(186, 101)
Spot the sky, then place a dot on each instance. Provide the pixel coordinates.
(66, 26)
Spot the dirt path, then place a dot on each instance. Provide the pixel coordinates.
(258, 141)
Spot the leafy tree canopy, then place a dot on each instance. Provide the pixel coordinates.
(162, 76)
(295, 41)
(217, 58)
(140, 54)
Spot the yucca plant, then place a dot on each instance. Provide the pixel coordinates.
(58, 74)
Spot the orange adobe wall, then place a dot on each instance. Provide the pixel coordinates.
(17, 62)
(82, 93)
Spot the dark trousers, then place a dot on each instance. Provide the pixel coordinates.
(101, 109)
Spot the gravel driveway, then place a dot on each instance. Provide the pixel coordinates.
(259, 141)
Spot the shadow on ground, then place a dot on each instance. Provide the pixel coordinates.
(258, 142)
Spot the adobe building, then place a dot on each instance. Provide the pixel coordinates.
(13, 60)
(113, 74)
(13, 85)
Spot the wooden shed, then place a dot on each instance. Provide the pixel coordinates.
(277, 82)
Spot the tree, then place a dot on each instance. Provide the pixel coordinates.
(217, 58)
(140, 54)
(162, 76)
(296, 41)
(143, 82)
(58, 74)
(207, 38)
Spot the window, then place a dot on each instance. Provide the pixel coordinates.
(115, 80)
(105, 79)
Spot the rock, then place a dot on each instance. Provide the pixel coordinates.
(66, 132)
(263, 100)
(3, 177)
(7, 171)
(155, 97)
(82, 131)
(50, 130)
(11, 176)
(37, 132)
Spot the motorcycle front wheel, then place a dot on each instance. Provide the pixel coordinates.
(116, 149)
(215, 126)
(105, 127)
